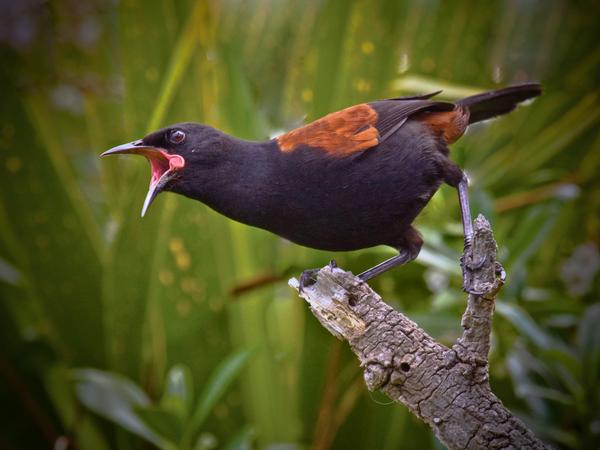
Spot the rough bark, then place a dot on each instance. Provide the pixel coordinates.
(448, 388)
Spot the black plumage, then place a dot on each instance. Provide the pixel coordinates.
(353, 179)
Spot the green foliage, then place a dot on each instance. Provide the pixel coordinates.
(218, 383)
(169, 424)
(84, 282)
(120, 400)
(560, 384)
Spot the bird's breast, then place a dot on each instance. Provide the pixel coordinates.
(345, 203)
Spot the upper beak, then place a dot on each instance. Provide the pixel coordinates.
(164, 166)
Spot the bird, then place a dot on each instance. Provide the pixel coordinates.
(350, 180)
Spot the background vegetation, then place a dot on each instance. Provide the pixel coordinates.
(119, 332)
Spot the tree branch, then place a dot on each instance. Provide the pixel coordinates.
(448, 388)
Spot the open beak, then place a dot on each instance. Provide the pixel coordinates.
(164, 166)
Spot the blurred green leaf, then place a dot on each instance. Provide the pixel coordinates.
(86, 431)
(164, 423)
(439, 261)
(588, 333)
(220, 380)
(206, 441)
(417, 83)
(519, 318)
(568, 370)
(546, 394)
(531, 233)
(519, 364)
(588, 346)
(8, 274)
(550, 433)
(283, 446)
(179, 391)
(241, 440)
(116, 398)
(191, 35)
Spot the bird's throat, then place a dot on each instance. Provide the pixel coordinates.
(235, 184)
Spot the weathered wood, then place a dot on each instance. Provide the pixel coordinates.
(448, 388)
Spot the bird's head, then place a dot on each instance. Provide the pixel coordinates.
(172, 152)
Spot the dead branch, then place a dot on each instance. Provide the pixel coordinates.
(448, 388)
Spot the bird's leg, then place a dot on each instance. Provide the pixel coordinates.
(409, 245)
(465, 212)
(404, 257)
(409, 248)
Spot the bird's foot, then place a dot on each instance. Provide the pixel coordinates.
(307, 279)
(468, 264)
(309, 276)
(468, 286)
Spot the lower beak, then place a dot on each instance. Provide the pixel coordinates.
(164, 166)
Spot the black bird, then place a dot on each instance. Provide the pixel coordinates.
(353, 179)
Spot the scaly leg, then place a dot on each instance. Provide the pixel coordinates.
(465, 212)
(409, 248)
(388, 264)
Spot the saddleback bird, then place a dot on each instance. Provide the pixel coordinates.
(353, 179)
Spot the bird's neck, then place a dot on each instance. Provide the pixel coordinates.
(234, 182)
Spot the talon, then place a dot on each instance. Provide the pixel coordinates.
(474, 265)
(469, 289)
(307, 278)
(500, 272)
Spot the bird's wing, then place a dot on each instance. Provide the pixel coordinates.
(392, 113)
(342, 132)
(358, 127)
(417, 97)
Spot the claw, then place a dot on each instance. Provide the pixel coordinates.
(474, 265)
(470, 290)
(307, 278)
(468, 265)
(500, 272)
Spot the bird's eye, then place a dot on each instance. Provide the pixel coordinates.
(177, 137)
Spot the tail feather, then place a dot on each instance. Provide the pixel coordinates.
(495, 103)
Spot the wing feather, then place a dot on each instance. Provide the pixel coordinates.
(392, 114)
(359, 127)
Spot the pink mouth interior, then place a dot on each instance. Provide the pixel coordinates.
(162, 162)
(158, 166)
